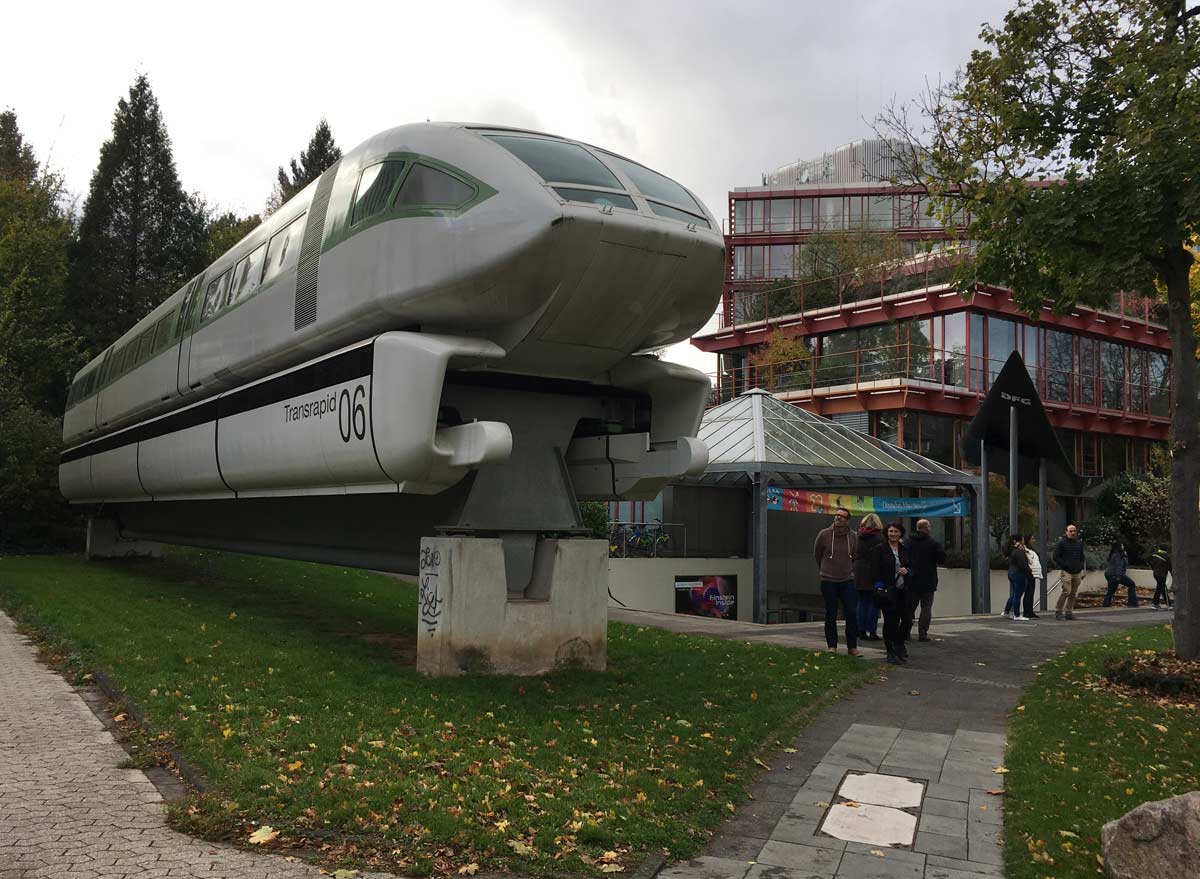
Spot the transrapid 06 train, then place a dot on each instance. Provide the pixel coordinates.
(438, 334)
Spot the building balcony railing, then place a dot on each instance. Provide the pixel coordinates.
(753, 302)
(953, 372)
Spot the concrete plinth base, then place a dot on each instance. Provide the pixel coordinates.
(469, 623)
(104, 541)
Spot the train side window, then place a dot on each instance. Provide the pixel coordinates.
(430, 187)
(284, 250)
(556, 161)
(214, 296)
(145, 345)
(247, 274)
(162, 335)
(375, 187)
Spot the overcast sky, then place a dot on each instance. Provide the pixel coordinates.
(712, 94)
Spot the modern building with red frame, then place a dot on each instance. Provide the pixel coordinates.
(895, 351)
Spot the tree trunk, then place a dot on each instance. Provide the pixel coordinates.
(1185, 453)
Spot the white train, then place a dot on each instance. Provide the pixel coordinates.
(447, 301)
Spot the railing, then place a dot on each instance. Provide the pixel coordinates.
(953, 371)
(629, 540)
(770, 300)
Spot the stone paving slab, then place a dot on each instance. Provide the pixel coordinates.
(66, 810)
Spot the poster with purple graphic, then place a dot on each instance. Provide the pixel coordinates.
(707, 596)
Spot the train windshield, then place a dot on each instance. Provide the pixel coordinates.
(558, 162)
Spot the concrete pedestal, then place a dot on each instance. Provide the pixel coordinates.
(104, 541)
(468, 623)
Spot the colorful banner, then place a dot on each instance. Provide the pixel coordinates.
(792, 500)
(706, 596)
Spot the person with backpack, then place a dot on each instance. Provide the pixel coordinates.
(1160, 566)
(891, 573)
(1068, 558)
(1115, 574)
(925, 553)
(834, 551)
(870, 535)
(1019, 574)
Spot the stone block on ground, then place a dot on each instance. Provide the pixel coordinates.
(1161, 838)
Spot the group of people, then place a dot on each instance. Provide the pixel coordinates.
(1024, 574)
(871, 572)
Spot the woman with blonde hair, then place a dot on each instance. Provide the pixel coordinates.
(870, 535)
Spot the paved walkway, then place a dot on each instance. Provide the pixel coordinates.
(940, 721)
(66, 810)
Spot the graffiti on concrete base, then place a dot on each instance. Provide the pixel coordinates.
(431, 601)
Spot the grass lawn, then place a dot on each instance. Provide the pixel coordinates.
(1080, 756)
(292, 687)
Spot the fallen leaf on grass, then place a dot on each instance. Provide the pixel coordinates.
(344, 874)
(292, 767)
(789, 750)
(468, 869)
(608, 858)
(263, 835)
(612, 868)
(996, 792)
(520, 847)
(1069, 834)
(1160, 728)
(760, 763)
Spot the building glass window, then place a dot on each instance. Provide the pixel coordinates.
(1085, 371)
(920, 347)
(758, 221)
(739, 217)
(937, 438)
(783, 261)
(783, 215)
(1087, 455)
(954, 353)
(1002, 341)
(1114, 456)
(1158, 373)
(830, 208)
(1112, 364)
(977, 364)
(887, 427)
(880, 210)
(1137, 378)
(1030, 351)
(804, 213)
(1060, 357)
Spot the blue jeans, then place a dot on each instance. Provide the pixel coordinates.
(843, 593)
(1123, 580)
(1016, 588)
(868, 613)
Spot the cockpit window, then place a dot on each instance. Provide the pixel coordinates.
(430, 187)
(595, 196)
(558, 162)
(664, 210)
(655, 185)
(374, 188)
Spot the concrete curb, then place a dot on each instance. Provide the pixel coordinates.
(190, 773)
(649, 868)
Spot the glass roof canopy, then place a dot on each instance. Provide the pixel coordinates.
(756, 433)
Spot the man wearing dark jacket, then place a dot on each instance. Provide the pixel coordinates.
(925, 554)
(1068, 558)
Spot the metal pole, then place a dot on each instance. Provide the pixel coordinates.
(981, 588)
(1013, 485)
(758, 546)
(1043, 530)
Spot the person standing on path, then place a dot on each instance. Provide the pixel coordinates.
(1160, 566)
(1035, 568)
(834, 552)
(1068, 558)
(925, 554)
(891, 572)
(1019, 573)
(1114, 573)
(870, 535)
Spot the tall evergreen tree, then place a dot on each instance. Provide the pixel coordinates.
(227, 229)
(141, 235)
(321, 153)
(16, 157)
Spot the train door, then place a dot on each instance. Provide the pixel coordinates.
(189, 317)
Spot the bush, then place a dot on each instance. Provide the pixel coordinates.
(1158, 674)
(33, 515)
(595, 518)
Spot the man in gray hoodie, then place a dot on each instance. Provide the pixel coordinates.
(834, 552)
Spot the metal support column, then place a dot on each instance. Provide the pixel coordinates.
(758, 545)
(1014, 485)
(1043, 530)
(981, 580)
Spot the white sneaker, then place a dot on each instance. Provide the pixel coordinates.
(1006, 615)
(1021, 618)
